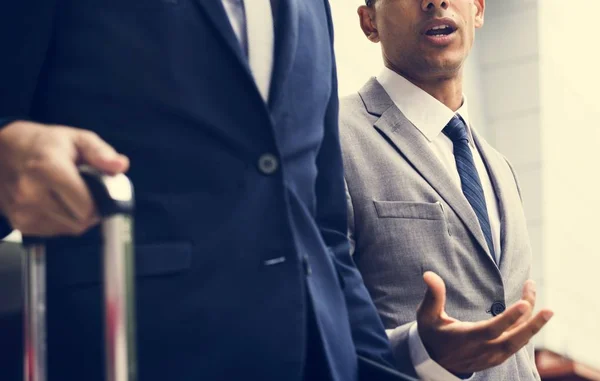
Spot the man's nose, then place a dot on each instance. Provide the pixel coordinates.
(429, 5)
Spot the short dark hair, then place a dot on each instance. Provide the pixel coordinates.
(369, 2)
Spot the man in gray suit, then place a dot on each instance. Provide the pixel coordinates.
(427, 196)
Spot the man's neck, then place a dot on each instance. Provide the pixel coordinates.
(448, 91)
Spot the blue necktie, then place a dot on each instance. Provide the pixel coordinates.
(456, 130)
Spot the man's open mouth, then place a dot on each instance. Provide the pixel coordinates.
(440, 30)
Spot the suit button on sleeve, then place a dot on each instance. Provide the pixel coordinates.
(268, 164)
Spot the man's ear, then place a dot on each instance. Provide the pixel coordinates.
(480, 11)
(366, 16)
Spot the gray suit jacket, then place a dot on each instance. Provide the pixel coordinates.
(407, 216)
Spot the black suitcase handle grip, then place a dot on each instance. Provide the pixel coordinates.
(111, 194)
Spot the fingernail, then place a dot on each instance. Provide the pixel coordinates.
(522, 308)
(548, 315)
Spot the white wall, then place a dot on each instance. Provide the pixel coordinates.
(571, 176)
(359, 59)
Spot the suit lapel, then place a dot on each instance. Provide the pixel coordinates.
(217, 15)
(286, 41)
(493, 166)
(407, 139)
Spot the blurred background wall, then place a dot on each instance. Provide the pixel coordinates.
(570, 152)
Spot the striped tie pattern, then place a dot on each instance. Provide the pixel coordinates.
(456, 130)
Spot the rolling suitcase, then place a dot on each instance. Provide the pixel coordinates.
(113, 196)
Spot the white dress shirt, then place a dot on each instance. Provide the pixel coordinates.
(430, 116)
(254, 29)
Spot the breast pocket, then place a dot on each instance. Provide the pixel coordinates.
(416, 232)
(413, 221)
(409, 210)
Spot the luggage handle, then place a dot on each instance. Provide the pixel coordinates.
(114, 200)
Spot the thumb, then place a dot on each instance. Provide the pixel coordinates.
(94, 151)
(434, 302)
(529, 292)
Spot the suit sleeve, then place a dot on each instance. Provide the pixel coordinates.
(5, 228)
(367, 330)
(25, 33)
(26, 29)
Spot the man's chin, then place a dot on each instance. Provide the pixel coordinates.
(449, 64)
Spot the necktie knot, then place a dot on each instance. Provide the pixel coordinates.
(456, 130)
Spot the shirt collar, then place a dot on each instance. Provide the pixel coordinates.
(426, 113)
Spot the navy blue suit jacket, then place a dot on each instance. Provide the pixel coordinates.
(227, 254)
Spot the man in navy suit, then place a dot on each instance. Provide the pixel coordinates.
(228, 115)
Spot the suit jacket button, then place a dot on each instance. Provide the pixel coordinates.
(268, 164)
(497, 308)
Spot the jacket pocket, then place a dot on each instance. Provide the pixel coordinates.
(83, 265)
(409, 209)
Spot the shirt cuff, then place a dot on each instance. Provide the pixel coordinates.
(426, 368)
